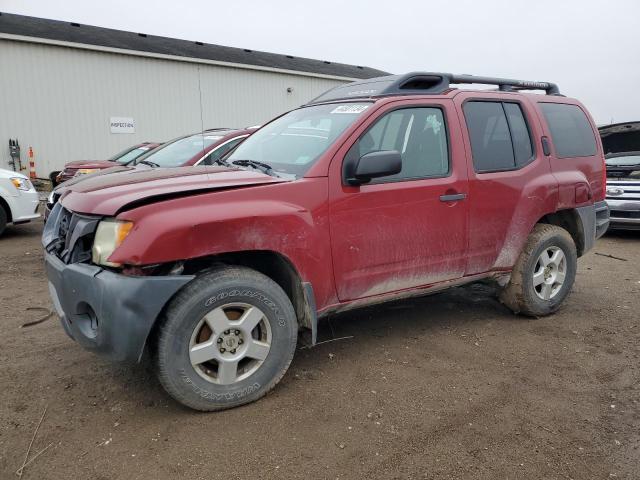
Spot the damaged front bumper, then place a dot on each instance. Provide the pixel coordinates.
(107, 312)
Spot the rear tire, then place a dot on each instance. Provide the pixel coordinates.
(544, 273)
(226, 339)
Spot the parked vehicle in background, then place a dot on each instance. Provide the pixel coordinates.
(376, 190)
(204, 148)
(18, 199)
(621, 144)
(85, 167)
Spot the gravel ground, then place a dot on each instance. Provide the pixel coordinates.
(446, 386)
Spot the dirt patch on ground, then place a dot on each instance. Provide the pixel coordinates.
(447, 386)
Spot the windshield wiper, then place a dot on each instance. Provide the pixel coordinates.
(150, 163)
(264, 167)
(221, 161)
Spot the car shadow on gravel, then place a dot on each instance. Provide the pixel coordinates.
(23, 231)
(622, 234)
(364, 328)
(454, 307)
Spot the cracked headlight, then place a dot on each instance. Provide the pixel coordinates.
(109, 236)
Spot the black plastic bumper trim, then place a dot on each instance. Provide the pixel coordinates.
(106, 312)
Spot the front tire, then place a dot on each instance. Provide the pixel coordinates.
(544, 273)
(226, 339)
(3, 220)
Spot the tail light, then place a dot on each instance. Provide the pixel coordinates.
(603, 190)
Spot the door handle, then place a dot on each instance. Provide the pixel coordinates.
(545, 146)
(453, 197)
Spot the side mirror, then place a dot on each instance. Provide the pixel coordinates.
(374, 165)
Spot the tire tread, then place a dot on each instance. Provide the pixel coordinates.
(215, 278)
(515, 295)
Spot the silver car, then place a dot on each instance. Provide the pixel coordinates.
(621, 142)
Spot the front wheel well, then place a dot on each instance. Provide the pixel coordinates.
(5, 206)
(272, 264)
(570, 221)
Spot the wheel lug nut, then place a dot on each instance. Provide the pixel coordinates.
(240, 342)
(233, 351)
(226, 332)
(219, 340)
(222, 350)
(237, 332)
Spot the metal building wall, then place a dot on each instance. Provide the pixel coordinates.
(59, 100)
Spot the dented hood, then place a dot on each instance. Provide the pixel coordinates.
(115, 190)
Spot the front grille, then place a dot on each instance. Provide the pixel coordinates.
(624, 190)
(68, 235)
(625, 214)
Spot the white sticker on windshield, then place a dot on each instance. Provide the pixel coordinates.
(350, 109)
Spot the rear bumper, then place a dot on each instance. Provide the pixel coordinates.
(106, 312)
(603, 217)
(595, 222)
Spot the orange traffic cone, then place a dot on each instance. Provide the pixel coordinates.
(32, 165)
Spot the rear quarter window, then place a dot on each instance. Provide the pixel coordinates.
(571, 131)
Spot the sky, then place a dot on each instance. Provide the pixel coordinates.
(591, 49)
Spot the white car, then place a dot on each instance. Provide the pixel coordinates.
(18, 199)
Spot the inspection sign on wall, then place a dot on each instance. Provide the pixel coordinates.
(122, 125)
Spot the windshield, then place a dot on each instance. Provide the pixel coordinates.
(623, 161)
(294, 142)
(176, 153)
(127, 156)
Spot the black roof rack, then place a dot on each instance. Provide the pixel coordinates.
(420, 83)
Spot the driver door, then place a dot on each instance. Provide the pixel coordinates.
(409, 229)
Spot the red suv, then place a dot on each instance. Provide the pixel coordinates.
(84, 167)
(376, 190)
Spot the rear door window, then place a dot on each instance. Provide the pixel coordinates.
(571, 131)
(499, 135)
(522, 148)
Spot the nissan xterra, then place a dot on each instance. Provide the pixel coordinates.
(384, 188)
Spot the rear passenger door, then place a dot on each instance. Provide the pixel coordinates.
(409, 229)
(510, 184)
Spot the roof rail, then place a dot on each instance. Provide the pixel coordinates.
(417, 83)
(507, 84)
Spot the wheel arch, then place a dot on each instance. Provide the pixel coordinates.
(274, 265)
(570, 221)
(5, 206)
